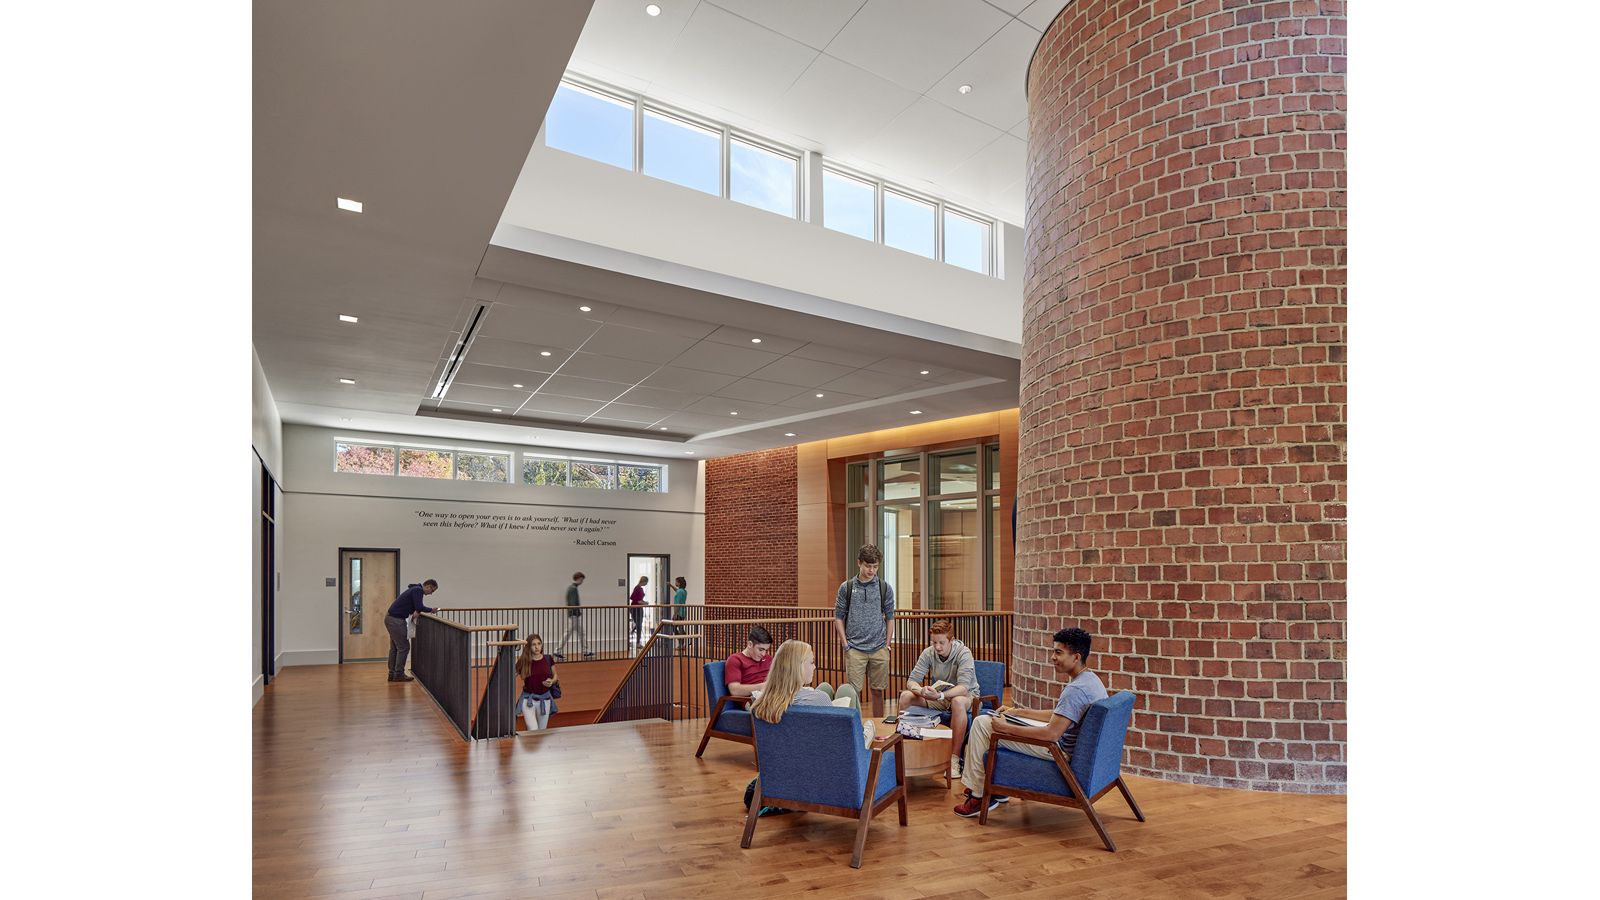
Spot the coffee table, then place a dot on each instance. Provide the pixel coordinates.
(929, 756)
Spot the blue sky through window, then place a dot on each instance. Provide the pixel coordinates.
(966, 243)
(847, 205)
(678, 152)
(590, 125)
(761, 178)
(907, 224)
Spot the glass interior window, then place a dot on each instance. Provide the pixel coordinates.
(639, 478)
(991, 464)
(907, 224)
(593, 475)
(681, 153)
(590, 124)
(966, 242)
(898, 478)
(363, 459)
(425, 463)
(991, 543)
(900, 539)
(355, 596)
(855, 529)
(855, 481)
(847, 205)
(955, 473)
(483, 467)
(762, 178)
(544, 471)
(953, 571)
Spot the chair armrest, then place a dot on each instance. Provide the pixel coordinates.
(878, 747)
(722, 701)
(977, 702)
(1011, 736)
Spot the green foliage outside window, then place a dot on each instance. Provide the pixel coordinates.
(639, 478)
(425, 463)
(483, 467)
(363, 459)
(544, 471)
(592, 475)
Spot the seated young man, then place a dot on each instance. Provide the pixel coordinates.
(747, 670)
(1080, 687)
(948, 661)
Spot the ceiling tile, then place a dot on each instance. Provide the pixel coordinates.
(513, 323)
(471, 393)
(487, 351)
(502, 377)
(621, 35)
(871, 384)
(674, 378)
(657, 398)
(661, 322)
(585, 388)
(838, 105)
(914, 43)
(633, 415)
(754, 340)
(696, 423)
(809, 401)
(998, 73)
(992, 169)
(802, 372)
(717, 42)
(1041, 13)
(535, 300)
(952, 376)
(724, 359)
(813, 23)
(558, 418)
(757, 391)
(483, 289)
(572, 406)
(637, 343)
(929, 139)
(723, 406)
(839, 356)
(906, 368)
(1011, 6)
(607, 368)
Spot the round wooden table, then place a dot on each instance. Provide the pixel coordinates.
(929, 756)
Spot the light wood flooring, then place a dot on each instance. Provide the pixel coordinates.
(363, 791)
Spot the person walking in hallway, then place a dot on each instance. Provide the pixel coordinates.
(574, 621)
(404, 607)
(636, 610)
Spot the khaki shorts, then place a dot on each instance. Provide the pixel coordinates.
(925, 703)
(871, 667)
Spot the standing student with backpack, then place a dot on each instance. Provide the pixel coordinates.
(862, 611)
(574, 621)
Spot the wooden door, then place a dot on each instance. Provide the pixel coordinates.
(368, 584)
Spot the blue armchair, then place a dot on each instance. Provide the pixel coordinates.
(729, 719)
(1095, 768)
(814, 760)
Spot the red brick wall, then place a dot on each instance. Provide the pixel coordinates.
(751, 508)
(1182, 449)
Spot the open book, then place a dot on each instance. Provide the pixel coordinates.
(841, 701)
(1017, 720)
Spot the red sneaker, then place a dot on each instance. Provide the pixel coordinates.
(974, 805)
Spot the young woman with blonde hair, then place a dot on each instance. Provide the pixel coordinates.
(789, 682)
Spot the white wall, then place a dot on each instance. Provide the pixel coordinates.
(266, 444)
(479, 557)
(564, 194)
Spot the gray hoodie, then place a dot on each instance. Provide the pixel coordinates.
(863, 608)
(957, 668)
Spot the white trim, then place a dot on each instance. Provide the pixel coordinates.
(257, 688)
(308, 658)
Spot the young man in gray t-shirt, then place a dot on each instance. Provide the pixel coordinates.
(862, 610)
(1081, 687)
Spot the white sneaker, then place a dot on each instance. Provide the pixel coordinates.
(955, 766)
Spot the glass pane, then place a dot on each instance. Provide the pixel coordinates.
(762, 178)
(593, 475)
(900, 539)
(955, 473)
(639, 478)
(681, 153)
(425, 463)
(953, 576)
(899, 478)
(355, 596)
(907, 224)
(592, 125)
(855, 482)
(991, 550)
(544, 471)
(966, 242)
(991, 466)
(847, 205)
(363, 459)
(855, 533)
(483, 467)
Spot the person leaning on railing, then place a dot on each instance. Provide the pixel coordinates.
(408, 604)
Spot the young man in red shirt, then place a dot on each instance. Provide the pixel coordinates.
(747, 670)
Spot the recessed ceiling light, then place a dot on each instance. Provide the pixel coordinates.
(663, 428)
(352, 205)
(755, 340)
(690, 452)
(924, 371)
(653, 10)
(733, 414)
(544, 352)
(916, 412)
(497, 409)
(585, 309)
(348, 319)
(516, 385)
(347, 381)
(343, 419)
(819, 395)
(965, 89)
(788, 434)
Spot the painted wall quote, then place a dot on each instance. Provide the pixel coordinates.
(532, 526)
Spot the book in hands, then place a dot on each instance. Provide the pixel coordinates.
(940, 686)
(1016, 720)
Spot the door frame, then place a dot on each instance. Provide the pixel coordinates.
(338, 604)
(666, 577)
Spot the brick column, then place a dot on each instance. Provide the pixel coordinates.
(751, 513)
(1182, 448)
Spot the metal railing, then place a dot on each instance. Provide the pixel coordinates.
(466, 672)
(667, 681)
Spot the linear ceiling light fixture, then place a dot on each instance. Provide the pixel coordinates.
(347, 381)
(352, 205)
(351, 319)
(463, 344)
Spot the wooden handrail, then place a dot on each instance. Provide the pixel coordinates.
(643, 652)
(898, 614)
(459, 627)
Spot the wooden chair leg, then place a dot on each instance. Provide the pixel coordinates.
(1129, 797)
(1094, 819)
(750, 820)
(705, 738)
(861, 836)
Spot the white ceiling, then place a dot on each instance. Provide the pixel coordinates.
(873, 84)
(404, 110)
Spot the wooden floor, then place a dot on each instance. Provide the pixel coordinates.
(363, 791)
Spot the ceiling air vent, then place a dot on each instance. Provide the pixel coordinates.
(459, 351)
